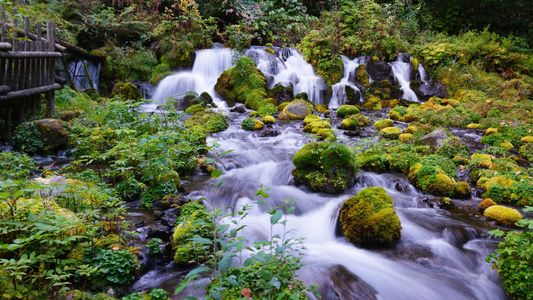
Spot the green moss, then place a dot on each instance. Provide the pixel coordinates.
(362, 76)
(372, 103)
(368, 219)
(452, 147)
(406, 138)
(435, 174)
(325, 167)
(526, 151)
(207, 121)
(195, 108)
(347, 110)
(252, 124)
(354, 121)
(267, 109)
(383, 123)
(194, 220)
(126, 90)
(159, 72)
(391, 133)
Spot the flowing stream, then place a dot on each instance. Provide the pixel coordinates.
(441, 254)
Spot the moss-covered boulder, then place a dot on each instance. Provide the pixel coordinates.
(368, 219)
(325, 167)
(207, 121)
(281, 93)
(391, 133)
(503, 215)
(322, 109)
(268, 119)
(194, 220)
(383, 123)
(126, 90)
(45, 135)
(354, 121)
(296, 110)
(486, 203)
(347, 110)
(373, 103)
(406, 138)
(252, 124)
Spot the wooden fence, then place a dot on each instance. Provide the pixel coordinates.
(27, 70)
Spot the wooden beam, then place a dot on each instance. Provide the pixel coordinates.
(32, 91)
(31, 54)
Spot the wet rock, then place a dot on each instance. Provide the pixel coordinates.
(352, 95)
(435, 138)
(159, 230)
(206, 99)
(296, 110)
(269, 133)
(344, 285)
(239, 109)
(281, 92)
(428, 90)
(187, 100)
(169, 216)
(54, 132)
(379, 70)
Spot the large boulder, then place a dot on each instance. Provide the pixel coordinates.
(296, 110)
(432, 89)
(207, 121)
(368, 219)
(379, 70)
(434, 139)
(325, 167)
(54, 132)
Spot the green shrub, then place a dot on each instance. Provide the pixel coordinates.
(28, 138)
(158, 294)
(15, 166)
(154, 246)
(156, 192)
(117, 267)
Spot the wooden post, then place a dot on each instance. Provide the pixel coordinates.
(7, 127)
(50, 32)
(50, 106)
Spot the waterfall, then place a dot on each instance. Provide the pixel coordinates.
(208, 66)
(79, 74)
(338, 96)
(423, 73)
(290, 68)
(402, 73)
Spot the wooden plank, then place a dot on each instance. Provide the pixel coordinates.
(32, 91)
(33, 54)
(7, 125)
(4, 46)
(50, 105)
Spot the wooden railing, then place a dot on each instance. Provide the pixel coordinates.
(27, 70)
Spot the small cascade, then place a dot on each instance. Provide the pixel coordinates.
(208, 66)
(423, 74)
(290, 68)
(79, 74)
(339, 96)
(401, 69)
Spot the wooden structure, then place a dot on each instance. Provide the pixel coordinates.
(27, 70)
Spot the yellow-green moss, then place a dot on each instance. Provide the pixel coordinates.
(527, 139)
(502, 214)
(354, 122)
(268, 119)
(369, 219)
(474, 126)
(380, 124)
(391, 133)
(406, 138)
(347, 110)
(207, 121)
(490, 131)
(486, 203)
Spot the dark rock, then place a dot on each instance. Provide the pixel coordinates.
(435, 138)
(158, 230)
(169, 216)
(269, 133)
(379, 70)
(344, 285)
(281, 92)
(239, 109)
(54, 132)
(206, 99)
(352, 95)
(404, 57)
(139, 224)
(187, 100)
(428, 90)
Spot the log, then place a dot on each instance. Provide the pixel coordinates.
(5, 46)
(31, 54)
(32, 91)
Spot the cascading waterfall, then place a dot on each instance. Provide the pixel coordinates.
(402, 73)
(80, 78)
(338, 96)
(423, 73)
(208, 66)
(290, 68)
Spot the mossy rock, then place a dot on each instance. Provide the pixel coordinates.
(391, 133)
(434, 174)
(368, 219)
(361, 75)
(372, 104)
(527, 139)
(42, 136)
(354, 122)
(526, 151)
(486, 203)
(347, 110)
(252, 124)
(490, 131)
(296, 110)
(311, 118)
(281, 93)
(315, 126)
(268, 119)
(322, 109)
(194, 220)
(383, 123)
(207, 121)
(326, 134)
(406, 138)
(503, 215)
(126, 91)
(474, 126)
(481, 160)
(506, 145)
(462, 190)
(195, 108)
(325, 167)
